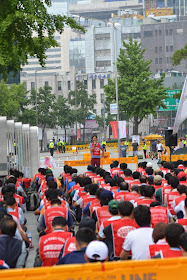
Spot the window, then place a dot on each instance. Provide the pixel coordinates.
(160, 49)
(104, 52)
(59, 85)
(166, 32)
(156, 60)
(148, 33)
(101, 83)
(93, 84)
(160, 60)
(170, 32)
(166, 48)
(69, 85)
(160, 32)
(155, 32)
(103, 63)
(171, 48)
(46, 83)
(104, 36)
(167, 59)
(32, 85)
(156, 49)
(102, 97)
(86, 83)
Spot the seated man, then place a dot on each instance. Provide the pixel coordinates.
(12, 250)
(96, 251)
(83, 237)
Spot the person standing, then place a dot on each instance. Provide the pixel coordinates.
(123, 149)
(95, 149)
(153, 149)
(135, 148)
(63, 147)
(103, 143)
(145, 150)
(59, 144)
(51, 147)
(159, 149)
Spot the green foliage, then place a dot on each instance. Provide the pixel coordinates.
(139, 95)
(65, 116)
(26, 28)
(179, 55)
(85, 102)
(11, 99)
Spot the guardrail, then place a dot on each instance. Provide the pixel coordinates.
(171, 269)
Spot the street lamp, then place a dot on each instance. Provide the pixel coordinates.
(114, 25)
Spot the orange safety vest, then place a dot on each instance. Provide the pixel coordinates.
(51, 245)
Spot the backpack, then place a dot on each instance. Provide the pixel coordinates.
(32, 202)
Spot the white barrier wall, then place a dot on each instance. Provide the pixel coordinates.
(19, 147)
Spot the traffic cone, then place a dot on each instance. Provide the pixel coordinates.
(57, 151)
(147, 156)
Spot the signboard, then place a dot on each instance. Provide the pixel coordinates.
(113, 109)
(91, 124)
(171, 103)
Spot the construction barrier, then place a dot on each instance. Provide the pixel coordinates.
(174, 157)
(87, 156)
(104, 161)
(171, 269)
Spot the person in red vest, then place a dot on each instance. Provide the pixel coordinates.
(159, 214)
(173, 233)
(117, 231)
(52, 243)
(148, 192)
(95, 149)
(182, 189)
(56, 210)
(173, 194)
(13, 209)
(159, 239)
(183, 244)
(113, 209)
(183, 221)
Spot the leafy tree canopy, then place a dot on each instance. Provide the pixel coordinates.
(179, 55)
(26, 28)
(139, 95)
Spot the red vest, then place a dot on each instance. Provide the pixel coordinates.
(86, 200)
(159, 214)
(53, 212)
(99, 181)
(114, 189)
(51, 245)
(170, 197)
(96, 151)
(134, 182)
(165, 190)
(15, 212)
(106, 187)
(183, 222)
(144, 201)
(155, 249)
(114, 171)
(171, 253)
(102, 215)
(94, 206)
(179, 199)
(120, 229)
(131, 196)
(19, 199)
(119, 195)
(69, 246)
(27, 182)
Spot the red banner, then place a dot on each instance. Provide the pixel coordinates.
(114, 129)
(78, 133)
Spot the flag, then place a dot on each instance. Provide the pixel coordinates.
(114, 129)
(122, 129)
(182, 109)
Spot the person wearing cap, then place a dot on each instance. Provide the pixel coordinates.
(158, 186)
(117, 231)
(113, 209)
(102, 213)
(51, 147)
(182, 176)
(83, 237)
(96, 251)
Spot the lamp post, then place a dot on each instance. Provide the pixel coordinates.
(114, 25)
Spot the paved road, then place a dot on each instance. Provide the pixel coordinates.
(32, 219)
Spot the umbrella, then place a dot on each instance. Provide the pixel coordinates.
(153, 137)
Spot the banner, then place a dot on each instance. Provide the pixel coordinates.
(114, 129)
(122, 129)
(78, 133)
(182, 109)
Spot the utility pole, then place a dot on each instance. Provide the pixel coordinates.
(75, 81)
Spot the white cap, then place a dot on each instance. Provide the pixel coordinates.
(149, 164)
(51, 140)
(97, 250)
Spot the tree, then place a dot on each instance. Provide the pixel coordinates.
(26, 28)
(83, 102)
(11, 98)
(179, 55)
(46, 108)
(139, 95)
(65, 116)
